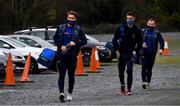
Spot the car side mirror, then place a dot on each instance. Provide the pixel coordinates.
(38, 45)
(6, 46)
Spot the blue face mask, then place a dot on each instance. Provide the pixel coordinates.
(150, 27)
(71, 22)
(130, 22)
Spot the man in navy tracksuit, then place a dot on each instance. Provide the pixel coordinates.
(127, 40)
(68, 38)
(151, 37)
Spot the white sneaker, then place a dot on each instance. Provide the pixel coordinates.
(69, 97)
(148, 85)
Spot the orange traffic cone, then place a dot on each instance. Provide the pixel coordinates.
(93, 67)
(9, 72)
(97, 58)
(166, 50)
(79, 67)
(24, 77)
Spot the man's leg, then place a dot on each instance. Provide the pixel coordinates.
(71, 73)
(62, 72)
(144, 69)
(121, 67)
(149, 71)
(129, 72)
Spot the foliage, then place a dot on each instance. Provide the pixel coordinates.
(103, 15)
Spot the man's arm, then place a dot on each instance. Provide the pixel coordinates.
(57, 39)
(116, 45)
(161, 41)
(82, 39)
(139, 40)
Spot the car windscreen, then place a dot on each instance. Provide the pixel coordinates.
(15, 42)
(51, 35)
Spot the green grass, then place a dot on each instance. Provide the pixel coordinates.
(174, 53)
(167, 59)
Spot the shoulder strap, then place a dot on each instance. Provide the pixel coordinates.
(62, 28)
(122, 29)
(156, 32)
(144, 33)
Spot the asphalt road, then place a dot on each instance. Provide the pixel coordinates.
(98, 88)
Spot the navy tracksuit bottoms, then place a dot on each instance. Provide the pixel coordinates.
(66, 63)
(147, 65)
(126, 59)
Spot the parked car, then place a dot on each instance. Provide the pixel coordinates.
(33, 41)
(2, 66)
(48, 33)
(17, 58)
(17, 46)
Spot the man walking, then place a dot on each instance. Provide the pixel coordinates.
(68, 38)
(127, 40)
(151, 37)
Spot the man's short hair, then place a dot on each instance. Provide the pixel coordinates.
(151, 19)
(72, 13)
(131, 13)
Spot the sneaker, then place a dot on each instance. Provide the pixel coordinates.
(144, 85)
(69, 97)
(62, 97)
(148, 85)
(129, 93)
(123, 90)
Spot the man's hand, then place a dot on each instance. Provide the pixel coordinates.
(64, 49)
(144, 45)
(134, 53)
(72, 43)
(117, 54)
(160, 51)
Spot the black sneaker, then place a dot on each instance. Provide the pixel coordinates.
(123, 92)
(62, 97)
(144, 85)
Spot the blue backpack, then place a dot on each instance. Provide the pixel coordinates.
(47, 58)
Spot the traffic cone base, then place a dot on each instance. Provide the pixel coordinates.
(83, 74)
(90, 71)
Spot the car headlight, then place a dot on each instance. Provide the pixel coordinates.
(13, 56)
(100, 47)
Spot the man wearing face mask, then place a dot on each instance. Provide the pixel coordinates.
(127, 40)
(151, 37)
(68, 38)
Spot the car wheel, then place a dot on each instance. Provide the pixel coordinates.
(86, 54)
(34, 67)
(2, 74)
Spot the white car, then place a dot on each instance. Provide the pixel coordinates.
(17, 58)
(34, 41)
(17, 46)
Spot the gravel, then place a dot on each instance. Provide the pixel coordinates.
(97, 88)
